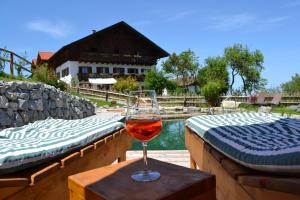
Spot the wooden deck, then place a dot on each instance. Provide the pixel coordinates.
(177, 157)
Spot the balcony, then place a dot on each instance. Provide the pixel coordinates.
(117, 58)
(84, 77)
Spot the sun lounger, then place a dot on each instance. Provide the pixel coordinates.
(253, 155)
(36, 159)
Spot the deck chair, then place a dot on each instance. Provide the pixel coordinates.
(54, 149)
(218, 146)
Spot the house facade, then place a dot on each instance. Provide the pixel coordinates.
(114, 52)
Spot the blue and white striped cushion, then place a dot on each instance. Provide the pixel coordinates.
(27, 145)
(260, 141)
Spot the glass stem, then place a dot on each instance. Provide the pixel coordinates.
(145, 156)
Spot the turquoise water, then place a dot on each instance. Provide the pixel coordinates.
(170, 138)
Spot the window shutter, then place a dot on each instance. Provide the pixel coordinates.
(80, 69)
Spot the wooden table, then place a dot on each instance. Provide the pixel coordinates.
(114, 182)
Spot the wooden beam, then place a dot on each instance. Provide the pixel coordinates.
(11, 65)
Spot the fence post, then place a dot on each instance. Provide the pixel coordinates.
(11, 65)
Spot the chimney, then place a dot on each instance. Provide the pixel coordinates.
(94, 31)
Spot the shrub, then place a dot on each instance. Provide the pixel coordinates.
(44, 75)
(212, 91)
(125, 85)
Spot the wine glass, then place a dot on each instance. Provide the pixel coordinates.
(143, 122)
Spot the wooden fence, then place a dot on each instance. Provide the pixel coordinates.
(14, 61)
(179, 100)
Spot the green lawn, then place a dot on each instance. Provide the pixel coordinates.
(97, 101)
(6, 77)
(275, 109)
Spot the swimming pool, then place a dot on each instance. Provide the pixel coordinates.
(171, 137)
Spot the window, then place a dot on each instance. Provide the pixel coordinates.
(133, 71)
(93, 49)
(144, 71)
(119, 70)
(85, 70)
(65, 72)
(102, 70)
(58, 75)
(116, 51)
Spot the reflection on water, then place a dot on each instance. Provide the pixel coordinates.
(170, 138)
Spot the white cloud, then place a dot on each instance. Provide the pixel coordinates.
(225, 23)
(179, 15)
(56, 29)
(244, 21)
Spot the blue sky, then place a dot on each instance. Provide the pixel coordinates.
(206, 27)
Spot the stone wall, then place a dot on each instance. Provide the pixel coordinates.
(22, 102)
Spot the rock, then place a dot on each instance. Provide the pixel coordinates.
(45, 95)
(59, 102)
(23, 96)
(36, 105)
(59, 113)
(22, 104)
(22, 85)
(13, 105)
(19, 120)
(11, 85)
(25, 116)
(293, 107)
(2, 89)
(11, 95)
(3, 102)
(35, 94)
(4, 119)
(265, 109)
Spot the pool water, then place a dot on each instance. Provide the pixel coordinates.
(171, 137)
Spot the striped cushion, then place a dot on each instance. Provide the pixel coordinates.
(260, 141)
(31, 144)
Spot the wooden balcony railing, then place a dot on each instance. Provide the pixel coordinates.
(117, 58)
(85, 77)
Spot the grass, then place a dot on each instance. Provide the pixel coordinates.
(275, 109)
(97, 101)
(7, 78)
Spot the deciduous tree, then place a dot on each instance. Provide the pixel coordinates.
(155, 80)
(183, 66)
(215, 70)
(292, 86)
(245, 63)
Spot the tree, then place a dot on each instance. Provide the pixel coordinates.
(215, 70)
(245, 63)
(292, 86)
(155, 80)
(43, 74)
(211, 91)
(125, 85)
(183, 66)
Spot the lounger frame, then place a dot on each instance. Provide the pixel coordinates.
(235, 182)
(51, 181)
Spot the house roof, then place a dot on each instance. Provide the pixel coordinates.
(67, 51)
(34, 61)
(45, 55)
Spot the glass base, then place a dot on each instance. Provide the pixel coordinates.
(145, 176)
